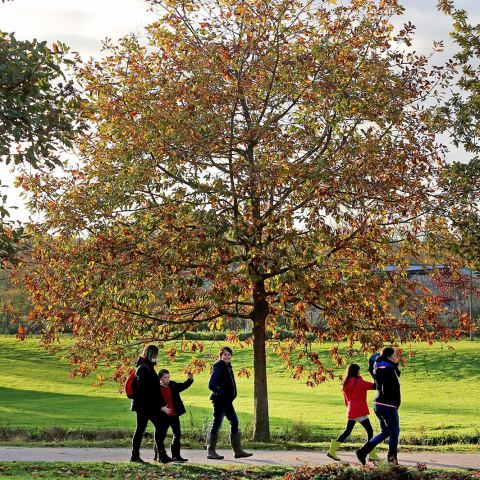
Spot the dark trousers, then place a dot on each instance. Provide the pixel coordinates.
(142, 420)
(348, 429)
(220, 411)
(174, 423)
(390, 427)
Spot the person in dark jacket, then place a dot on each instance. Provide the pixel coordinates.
(371, 363)
(354, 390)
(172, 411)
(224, 391)
(386, 402)
(147, 402)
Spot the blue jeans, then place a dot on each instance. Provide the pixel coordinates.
(220, 411)
(389, 425)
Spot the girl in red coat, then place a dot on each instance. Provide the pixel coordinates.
(355, 395)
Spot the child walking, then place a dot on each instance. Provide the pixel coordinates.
(355, 396)
(172, 409)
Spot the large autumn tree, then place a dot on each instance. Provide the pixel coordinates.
(257, 159)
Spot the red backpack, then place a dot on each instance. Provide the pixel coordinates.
(131, 383)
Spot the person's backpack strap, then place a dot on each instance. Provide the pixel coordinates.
(131, 383)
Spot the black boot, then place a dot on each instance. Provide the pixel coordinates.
(155, 452)
(236, 442)
(362, 453)
(136, 457)
(392, 457)
(163, 457)
(211, 445)
(176, 457)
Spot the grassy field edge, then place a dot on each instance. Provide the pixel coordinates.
(117, 471)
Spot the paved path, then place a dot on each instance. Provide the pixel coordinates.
(260, 457)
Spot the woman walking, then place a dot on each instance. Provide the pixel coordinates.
(147, 401)
(386, 402)
(224, 391)
(355, 396)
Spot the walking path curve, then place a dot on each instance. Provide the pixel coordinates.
(260, 457)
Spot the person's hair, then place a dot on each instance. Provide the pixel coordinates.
(225, 349)
(150, 351)
(162, 372)
(386, 352)
(351, 371)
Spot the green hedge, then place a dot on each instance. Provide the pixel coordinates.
(209, 335)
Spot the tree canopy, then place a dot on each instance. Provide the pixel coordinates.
(37, 115)
(257, 159)
(459, 116)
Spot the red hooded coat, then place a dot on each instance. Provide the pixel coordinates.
(355, 396)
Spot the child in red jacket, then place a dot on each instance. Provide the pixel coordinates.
(355, 395)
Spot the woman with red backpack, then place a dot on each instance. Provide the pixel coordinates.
(146, 402)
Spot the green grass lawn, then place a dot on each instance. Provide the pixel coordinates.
(122, 471)
(440, 399)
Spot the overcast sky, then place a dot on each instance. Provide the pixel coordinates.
(83, 24)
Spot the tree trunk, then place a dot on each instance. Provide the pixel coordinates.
(261, 431)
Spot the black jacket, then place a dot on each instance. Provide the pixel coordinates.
(176, 389)
(387, 383)
(147, 396)
(222, 383)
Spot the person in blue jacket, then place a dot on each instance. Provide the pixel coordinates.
(371, 363)
(386, 403)
(224, 391)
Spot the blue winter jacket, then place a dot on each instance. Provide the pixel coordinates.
(222, 383)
